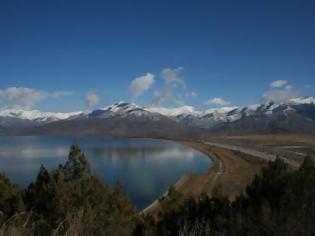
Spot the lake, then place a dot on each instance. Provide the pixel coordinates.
(145, 167)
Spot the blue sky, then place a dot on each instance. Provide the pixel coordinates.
(73, 55)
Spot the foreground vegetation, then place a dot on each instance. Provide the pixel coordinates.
(71, 200)
(68, 200)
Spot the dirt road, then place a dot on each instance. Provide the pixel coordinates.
(252, 152)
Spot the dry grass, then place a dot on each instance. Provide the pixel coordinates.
(238, 171)
(277, 144)
(269, 140)
(17, 225)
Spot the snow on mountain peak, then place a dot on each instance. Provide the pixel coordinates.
(121, 109)
(305, 100)
(37, 115)
(122, 106)
(173, 112)
(187, 114)
(220, 110)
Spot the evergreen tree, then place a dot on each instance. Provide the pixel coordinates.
(10, 198)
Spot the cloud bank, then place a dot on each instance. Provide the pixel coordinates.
(217, 102)
(141, 84)
(279, 95)
(173, 91)
(278, 83)
(26, 98)
(281, 92)
(171, 76)
(91, 100)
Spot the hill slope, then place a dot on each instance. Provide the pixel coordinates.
(130, 120)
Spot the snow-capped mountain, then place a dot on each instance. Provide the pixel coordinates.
(299, 112)
(297, 115)
(306, 100)
(121, 119)
(213, 119)
(175, 112)
(125, 110)
(36, 115)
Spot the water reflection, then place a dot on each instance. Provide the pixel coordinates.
(145, 167)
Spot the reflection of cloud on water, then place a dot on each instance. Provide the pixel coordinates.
(145, 167)
(157, 154)
(178, 154)
(34, 152)
(149, 171)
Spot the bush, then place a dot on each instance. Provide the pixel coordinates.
(10, 199)
(71, 200)
(279, 201)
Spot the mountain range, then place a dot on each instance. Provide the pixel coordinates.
(124, 119)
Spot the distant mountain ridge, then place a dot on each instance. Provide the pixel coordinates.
(36, 115)
(129, 119)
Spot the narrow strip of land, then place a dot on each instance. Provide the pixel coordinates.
(231, 171)
(252, 152)
(217, 175)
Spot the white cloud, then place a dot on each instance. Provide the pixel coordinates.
(278, 83)
(173, 91)
(191, 94)
(171, 76)
(26, 98)
(91, 100)
(288, 87)
(141, 84)
(279, 95)
(217, 101)
(281, 92)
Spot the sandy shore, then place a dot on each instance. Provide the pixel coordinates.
(230, 172)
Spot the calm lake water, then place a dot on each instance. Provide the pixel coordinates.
(145, 167)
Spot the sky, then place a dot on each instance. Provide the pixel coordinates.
(66, 55)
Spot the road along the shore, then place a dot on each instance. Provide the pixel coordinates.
(252, 152)
(230, 170)
(193, 184)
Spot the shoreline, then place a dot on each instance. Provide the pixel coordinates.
(185, 180)
(230, 170)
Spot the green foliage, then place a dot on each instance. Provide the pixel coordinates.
(279, 201)
(72, 200)
(10, 199)
(171, 206)
(171, 203)
(217, 191)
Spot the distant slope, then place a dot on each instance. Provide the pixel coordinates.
(130, 120)
(119, 120)
(15, 126)
(113, 127)
(282, 119)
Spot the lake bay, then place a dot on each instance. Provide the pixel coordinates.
(144, 167)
